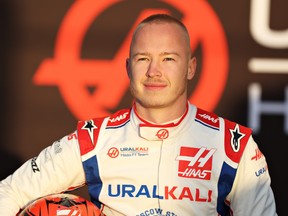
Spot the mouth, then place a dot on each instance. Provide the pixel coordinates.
(155, 86)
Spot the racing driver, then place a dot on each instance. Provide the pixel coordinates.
(161, 156)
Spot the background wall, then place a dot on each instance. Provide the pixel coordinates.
(58, 58)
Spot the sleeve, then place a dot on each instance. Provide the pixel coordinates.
(251, 193)
(56, 169)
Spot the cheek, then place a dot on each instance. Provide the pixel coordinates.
(179, 81)
(141, 67)
(138, 70)
(176, 74)
(135, 78)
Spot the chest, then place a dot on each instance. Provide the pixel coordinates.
(188, 160)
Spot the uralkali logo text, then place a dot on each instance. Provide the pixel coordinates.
(169, 192)
(73, 75)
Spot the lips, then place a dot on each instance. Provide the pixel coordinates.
(155, 85)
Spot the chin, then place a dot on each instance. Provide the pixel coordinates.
(153, 103)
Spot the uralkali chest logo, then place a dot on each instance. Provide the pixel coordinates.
(75, 77)
(195, 162)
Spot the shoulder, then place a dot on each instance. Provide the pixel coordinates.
(235, 136)
(118, 117)
(88, 130)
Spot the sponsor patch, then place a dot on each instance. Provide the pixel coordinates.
(34, 165)
(258, 155)
(236, 138)
(195, 162)
(207, 119)
(128, 152)
(90, 127)
(57, 147)
(119, 119)
(162, 134)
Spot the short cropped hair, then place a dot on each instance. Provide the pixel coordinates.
(162, 18)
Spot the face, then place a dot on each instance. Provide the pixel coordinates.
(160, 66)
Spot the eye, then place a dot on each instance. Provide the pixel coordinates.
(141, 59)
(169, 59)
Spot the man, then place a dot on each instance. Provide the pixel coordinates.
(162, 156)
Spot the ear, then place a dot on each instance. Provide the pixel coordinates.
(191, 68)
(128, 67)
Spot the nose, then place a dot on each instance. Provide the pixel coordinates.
(153, 69)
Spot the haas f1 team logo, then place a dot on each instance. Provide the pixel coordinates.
(195, 162)
(75, 77)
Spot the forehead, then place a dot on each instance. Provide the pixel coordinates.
(157, 34)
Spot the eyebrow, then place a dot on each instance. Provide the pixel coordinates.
(170, 53)
(161, 54)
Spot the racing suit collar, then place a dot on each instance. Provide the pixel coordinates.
(159, 132)
(167, 124)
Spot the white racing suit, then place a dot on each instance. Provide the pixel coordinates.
(200, 165)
